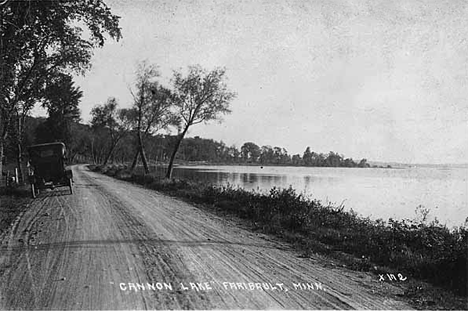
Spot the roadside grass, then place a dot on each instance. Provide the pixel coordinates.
(425, 251)
(12, 203)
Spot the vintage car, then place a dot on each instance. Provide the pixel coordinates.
(47, 167)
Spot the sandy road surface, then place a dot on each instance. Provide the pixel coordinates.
(90, 249)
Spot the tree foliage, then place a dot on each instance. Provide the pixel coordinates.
(40, 41)
(200, 96)
(61, 99)
(151, 109)
(250, 152)
(117, 122)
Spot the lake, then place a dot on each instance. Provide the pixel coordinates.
(373, 192)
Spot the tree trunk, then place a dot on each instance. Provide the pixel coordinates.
(110, 153)
(144, 159)
(174, 152)
(1, 162)
(19, 156)
(92, 151)
(19, 162)
(135, 160)
(142, 154)
(3, 137)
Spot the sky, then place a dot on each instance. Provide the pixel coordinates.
(382, 80)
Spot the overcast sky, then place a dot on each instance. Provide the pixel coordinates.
(385, 80)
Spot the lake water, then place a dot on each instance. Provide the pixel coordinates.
(373, 192)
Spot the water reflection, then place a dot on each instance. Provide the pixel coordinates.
(377, 193)
(244, 180)
(262, 181)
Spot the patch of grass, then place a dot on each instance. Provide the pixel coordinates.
(12, 203)
(429, 252)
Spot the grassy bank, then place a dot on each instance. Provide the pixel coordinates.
(12, 203)
(429, 252)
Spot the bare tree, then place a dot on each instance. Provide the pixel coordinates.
(201, 96)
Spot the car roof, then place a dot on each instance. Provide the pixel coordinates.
(47, 145)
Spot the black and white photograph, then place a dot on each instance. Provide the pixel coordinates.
(245, 155)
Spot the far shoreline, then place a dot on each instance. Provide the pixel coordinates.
(395, 166)
(206, 163)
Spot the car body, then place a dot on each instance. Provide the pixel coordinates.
(47, 167)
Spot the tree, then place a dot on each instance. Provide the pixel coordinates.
(297, 160)
(233, 154)
(200, 96)
(116, 121)
(267, 155)
(98, 144)
(363, 163)
(151, 109)
(307, 157)
(348, 162)
(61, 99)
(285, 157)
(41, 38)
(250, 151)
(80, 145)
(334, 159)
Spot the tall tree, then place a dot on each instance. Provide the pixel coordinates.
(61, 99)
(201, 96)
(151, 109)
(40, 38)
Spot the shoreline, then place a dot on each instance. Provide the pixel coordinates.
(416, 251)
(206, 163)
(375, 193)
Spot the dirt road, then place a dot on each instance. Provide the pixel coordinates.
(114, 245)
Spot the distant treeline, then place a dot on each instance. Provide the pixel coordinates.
(199, 149)
(88, 144)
